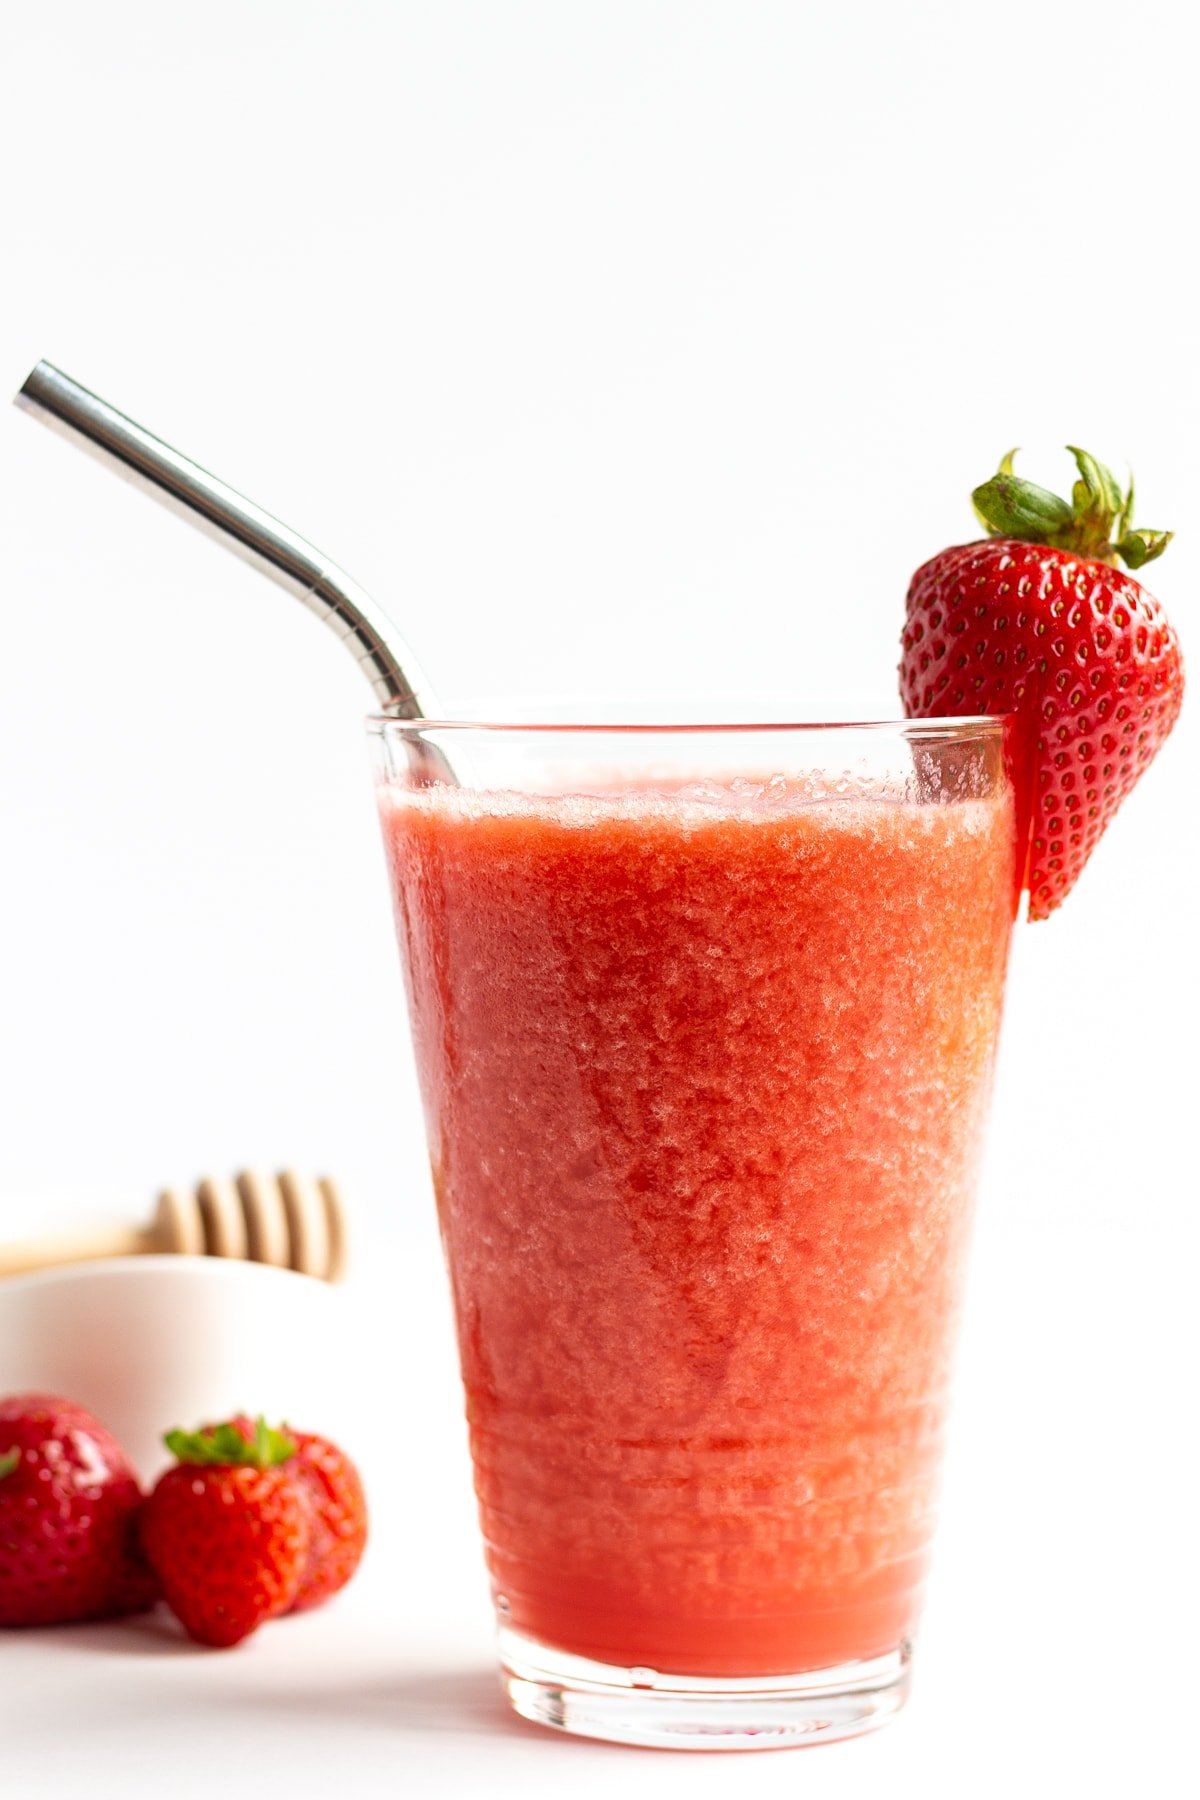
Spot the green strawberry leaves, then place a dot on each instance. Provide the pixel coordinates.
(1095, 497)
(9, 1461)
(1010, 507)
(1097, 521)
(228, 1446)
(1137, 548)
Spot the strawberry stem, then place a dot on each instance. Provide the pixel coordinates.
(9, 1461)
(228, 1446)
(1096, 523)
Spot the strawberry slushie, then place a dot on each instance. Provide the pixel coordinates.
(705, 1061)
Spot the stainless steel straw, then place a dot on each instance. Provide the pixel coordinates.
(243, 527)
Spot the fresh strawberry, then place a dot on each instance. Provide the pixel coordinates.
(227, 1531)
(338, 1518)
(332, 1490)
(1037, 619)
(68, 1507)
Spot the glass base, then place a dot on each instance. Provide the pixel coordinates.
(685, 1712)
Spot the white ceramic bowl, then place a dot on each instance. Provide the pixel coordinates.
(150, 1342)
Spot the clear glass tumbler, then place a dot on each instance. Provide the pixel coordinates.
(705, 1021)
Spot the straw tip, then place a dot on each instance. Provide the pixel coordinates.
(31, 388)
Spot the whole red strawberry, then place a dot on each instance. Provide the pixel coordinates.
(68, 1509)
(227, 1531)
(338, 1518)
(1037, 619)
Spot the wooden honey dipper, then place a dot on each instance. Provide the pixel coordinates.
(290, 1221)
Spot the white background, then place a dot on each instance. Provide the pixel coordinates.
(622, 346)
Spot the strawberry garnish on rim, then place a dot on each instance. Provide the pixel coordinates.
(1038, 619)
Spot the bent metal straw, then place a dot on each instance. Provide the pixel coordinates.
(274, 548)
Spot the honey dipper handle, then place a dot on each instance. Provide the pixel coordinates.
(77, 1246)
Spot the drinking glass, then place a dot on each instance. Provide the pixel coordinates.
(705, 1020)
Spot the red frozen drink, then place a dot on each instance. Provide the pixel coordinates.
(705, 1068)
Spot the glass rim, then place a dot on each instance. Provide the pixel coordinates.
(964, 725)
